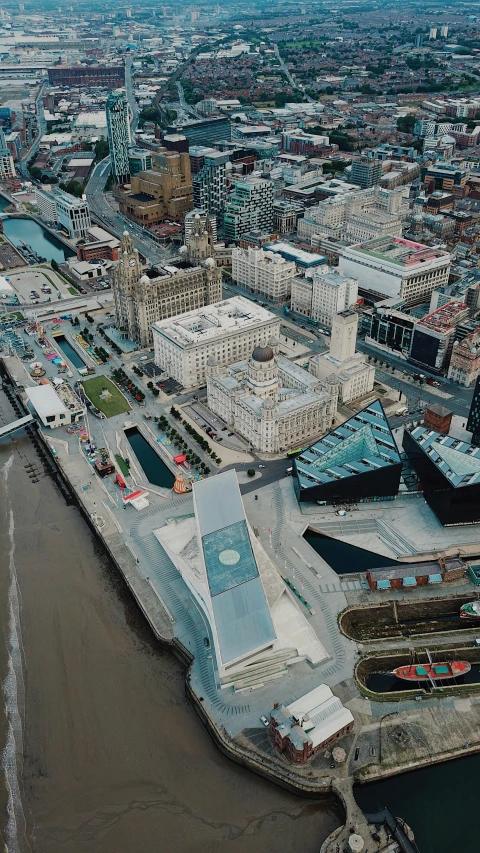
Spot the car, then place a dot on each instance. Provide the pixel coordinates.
(143, 358)
(224, 429)
(83, 291)
(357, 753)
(264, 721)
(220, 438)
(261, 466)
(230, 434)
(332, 765)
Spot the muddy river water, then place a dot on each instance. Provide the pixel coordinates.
(100, 750)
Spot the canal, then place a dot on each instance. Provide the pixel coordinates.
(153, 467)
(343, 558)
(4, 203)
(72, 355)
(20, 230)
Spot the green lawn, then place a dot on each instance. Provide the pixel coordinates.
(122, 465)
(114, 405)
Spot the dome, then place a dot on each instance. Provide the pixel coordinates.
(264, 353)
(183, 250)
(209, 262)
(272, 342)
(144, 279)
(125, 233)
(197, 216)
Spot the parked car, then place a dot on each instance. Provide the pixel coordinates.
(264, 720)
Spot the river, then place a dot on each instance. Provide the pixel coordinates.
(115, 759)
(40, 240)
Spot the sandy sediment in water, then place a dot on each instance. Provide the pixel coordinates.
(116, 761)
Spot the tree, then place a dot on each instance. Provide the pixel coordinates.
(405, 124)
(55, 266)
(102, 149)
(251, 472)
(35, 172)
(74, 188)
(280, 99)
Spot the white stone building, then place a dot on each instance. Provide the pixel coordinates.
(361, 215)
(327, 293)
(263, 272)
(72, 213)
(271, 402)
(228, 331)
(355, 377)
(392, 266)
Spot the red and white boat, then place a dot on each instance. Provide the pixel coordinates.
(433, 671)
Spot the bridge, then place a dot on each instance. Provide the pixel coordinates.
(15, 425)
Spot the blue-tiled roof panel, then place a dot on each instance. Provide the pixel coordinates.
(229, 558)
(242, 620)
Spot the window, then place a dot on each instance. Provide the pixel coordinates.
(50, 418)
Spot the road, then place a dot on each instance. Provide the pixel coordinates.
(41, 129)
(186, 107)
(100, 206)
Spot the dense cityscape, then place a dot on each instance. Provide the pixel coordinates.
(239, 426)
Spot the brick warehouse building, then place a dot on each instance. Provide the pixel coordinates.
(309, 724)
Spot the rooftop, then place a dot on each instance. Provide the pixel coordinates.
(292, 253)
(242, 616)
(45, 400)
(361, 444)
(213, 321)
(458, 461)
(444, 318)
(399, 251)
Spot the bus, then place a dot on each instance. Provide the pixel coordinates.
(296, 452)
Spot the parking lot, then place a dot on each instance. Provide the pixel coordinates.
(170, 386)
(24, 281)
(205, 418)
(149, 368)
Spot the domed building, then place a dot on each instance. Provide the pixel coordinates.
(271, 402)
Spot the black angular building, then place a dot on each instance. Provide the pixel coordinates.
(473, 422)
(449, 474)
(358, 460)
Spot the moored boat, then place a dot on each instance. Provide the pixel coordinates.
(433, 671)
(470, 610)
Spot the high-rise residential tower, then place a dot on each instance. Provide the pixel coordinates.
(118, 130)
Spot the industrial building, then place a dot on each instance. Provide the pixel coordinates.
(87, 76)
(357, 461)
(257, 628)
(449, 471)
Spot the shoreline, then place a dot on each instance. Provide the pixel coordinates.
(236, 748)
